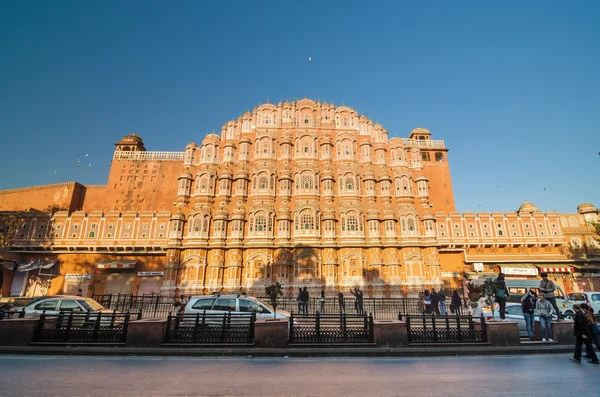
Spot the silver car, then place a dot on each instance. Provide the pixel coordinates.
(53, 305)
(234, 304)
(514, 312)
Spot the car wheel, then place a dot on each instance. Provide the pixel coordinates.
(568, 315)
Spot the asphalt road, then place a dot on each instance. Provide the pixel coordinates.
(535, 375)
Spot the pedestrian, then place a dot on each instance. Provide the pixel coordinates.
(547, 287)
(456, 302)
(582, 335)
(177, 302)
(341, 302)
(79, 292)
(592, 325)
(322, 301)
(305, 299)
(442, 296)
(528, 302)
(545, 311)
(501, 295)
(435, 302)
(360, 302)
(426, 302)
(184, 301)
(357, 298)
(299, 300)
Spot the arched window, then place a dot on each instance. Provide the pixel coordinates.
(268, 119)
(349, 183)
(260, 222)
(263, 183)
(352, 223)
(197, 224)
(307, 181)
(439, 157)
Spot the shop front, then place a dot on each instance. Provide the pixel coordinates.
(586, 277)
(32, 277)
(149, 283)
(113, 277)
(77, 284)
(519, 271)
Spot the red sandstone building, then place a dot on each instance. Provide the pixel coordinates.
(304, 193)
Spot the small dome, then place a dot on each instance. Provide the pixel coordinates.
(191, 145)
(586, 208)
(420, 130)
(527, 208)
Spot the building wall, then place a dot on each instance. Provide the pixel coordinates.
(68, 196)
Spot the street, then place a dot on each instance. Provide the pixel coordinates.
(534, 375)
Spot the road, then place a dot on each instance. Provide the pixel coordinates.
(535, 375)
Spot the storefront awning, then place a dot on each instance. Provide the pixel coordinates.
(519, 269)
(110, 264)
(591, 268)
(556, 269)
(36, 264)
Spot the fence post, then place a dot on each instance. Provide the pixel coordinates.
(223, 327)
(344, 330)
(291, 327)
(251, 330)
(409, 335)
(139, 316)
(371, 331)
(96, 328)
(483, 329)
(156, 305)
(318, 326)
(196, 323)
(168, 330)
(435, 335)
(125, 327)
(460, 335)
(112, 319)
(204, 318)
(69, 323)
(40, 327)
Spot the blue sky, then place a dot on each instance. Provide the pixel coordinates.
(512, 87)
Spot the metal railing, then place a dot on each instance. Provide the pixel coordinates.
(158, 306)
(7, 314)
(82, 328)
(209, 328)
(331, 329)
(444, 329)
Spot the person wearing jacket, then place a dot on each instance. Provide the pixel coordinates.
(592, 325)
(455, 303)
(547, 287)
(442, 296)
(582, 335)
(501, 295)
(435, 302)
(545, 310)
(528, 302)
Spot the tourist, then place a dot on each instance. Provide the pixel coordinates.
(357, 300)
(426, 302)
(501, 295)
(305, 297)
(322, 301)
(299, 300)
(456, 303)
(528, 302)
(582, 335)
(545, 310)
(360, 302)
(442, 296)
(184, 301)
(592, 325)
(435, 301)
(341, 302)
(547, 287)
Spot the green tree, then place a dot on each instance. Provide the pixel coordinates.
(274, 291)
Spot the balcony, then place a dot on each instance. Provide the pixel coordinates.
(136, 156)
(421, 143)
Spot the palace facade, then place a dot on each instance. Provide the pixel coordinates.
(303, 193)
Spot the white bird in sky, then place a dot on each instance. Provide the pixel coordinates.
(309, 59)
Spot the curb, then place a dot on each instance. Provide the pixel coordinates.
(289, 352)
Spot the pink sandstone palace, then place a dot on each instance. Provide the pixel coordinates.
(303, 193)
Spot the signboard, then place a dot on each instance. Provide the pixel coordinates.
(150, 274)
(87, 276)
(450, 274)
(520, 271)
(478, 267)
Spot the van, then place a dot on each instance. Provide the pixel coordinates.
(518, 287)
(592, 298)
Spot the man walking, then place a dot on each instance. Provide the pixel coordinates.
(547, 287)
(305, 298)
(341, 302)
(582, 333)
(299, 300)
(435, 302)
(546, 311)
(442, 296)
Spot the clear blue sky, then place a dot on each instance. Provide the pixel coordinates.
(512, 87)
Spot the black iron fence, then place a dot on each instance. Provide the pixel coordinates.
(445, 329)
(149, 305)
(205, 328)
(331, 329)
(82, 328)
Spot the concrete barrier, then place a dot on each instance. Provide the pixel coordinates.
(271, 332)
(146, 333)
(562, 332)
(390, 333)
(17, 332)
(502, 333)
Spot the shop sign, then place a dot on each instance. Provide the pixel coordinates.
(150, 274)
(450, 274)
(478, 267)
(87, 276)
(520, 271)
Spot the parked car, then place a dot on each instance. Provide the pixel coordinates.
(53, 305)
(514, 312)
(236, 304)
(590, 297)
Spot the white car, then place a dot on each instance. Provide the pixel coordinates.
(53, 305)
(514, 312)
(590, 297)
(234, 304)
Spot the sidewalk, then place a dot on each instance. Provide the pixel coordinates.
(191, 351)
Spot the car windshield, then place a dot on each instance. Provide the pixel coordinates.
(91, 305)
(267, 306)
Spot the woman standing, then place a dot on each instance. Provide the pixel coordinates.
(501, 295)
(427, 301)
(456, 303)
(322, 301)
